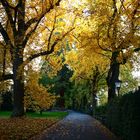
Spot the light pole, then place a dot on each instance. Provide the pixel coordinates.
(118, 86)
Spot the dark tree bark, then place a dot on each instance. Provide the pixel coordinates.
(94, 88)
(113, 76)
(18, 69)
(18, 78)
(6, 77)
(62, 101)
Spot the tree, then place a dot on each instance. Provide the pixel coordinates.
(89, 67)
(25, 20)
(58, 74)
(111, 29)
(37, 97)
(117, 34)
(62, 85)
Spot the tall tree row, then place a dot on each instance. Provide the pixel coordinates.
(111, 30)
(103, 35)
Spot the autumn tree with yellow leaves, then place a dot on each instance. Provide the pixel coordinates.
(87, 68)
(37, 97)
(112, 30)
(118, 34)
(28, 32)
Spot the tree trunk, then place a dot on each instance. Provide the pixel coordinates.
(96, 73)
(62, 100)
(18, 68)
(113, 76)
(18, 78)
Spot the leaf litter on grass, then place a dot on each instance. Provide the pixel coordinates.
(23, 128)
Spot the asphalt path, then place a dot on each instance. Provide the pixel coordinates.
(77, 126)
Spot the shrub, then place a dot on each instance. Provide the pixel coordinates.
(123, 115)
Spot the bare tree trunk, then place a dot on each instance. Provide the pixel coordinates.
(18, 78)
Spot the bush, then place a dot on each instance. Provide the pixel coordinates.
(113, 116)
(130, 116)
(100, 113)
(123, 115)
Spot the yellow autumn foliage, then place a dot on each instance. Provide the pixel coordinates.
(5, 86)
(83, 62)
(37, 97)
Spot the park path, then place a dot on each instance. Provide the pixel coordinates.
(77, 126)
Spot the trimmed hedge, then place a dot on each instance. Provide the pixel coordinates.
(123, 116)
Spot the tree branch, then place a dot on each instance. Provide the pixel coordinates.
(48, 51)
(30, 22)
(137, 49)
(98, 43)
(5, 36)
(30, 33)
(6, 77)
(4, 60)
(38, 19)
(51, 33)
(105, 55)
(9, 14)
(112, 18)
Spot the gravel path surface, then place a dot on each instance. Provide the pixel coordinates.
(77, 126)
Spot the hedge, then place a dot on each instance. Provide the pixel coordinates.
(122, 115)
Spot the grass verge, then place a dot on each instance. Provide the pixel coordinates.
(49, 114)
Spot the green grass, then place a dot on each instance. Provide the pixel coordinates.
(50, 114)
(56, 114)
(5, 114)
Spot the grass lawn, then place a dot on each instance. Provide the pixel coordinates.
(26, 127)
(49, 114)
(55, 114)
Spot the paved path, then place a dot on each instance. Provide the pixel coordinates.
(77, 126)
